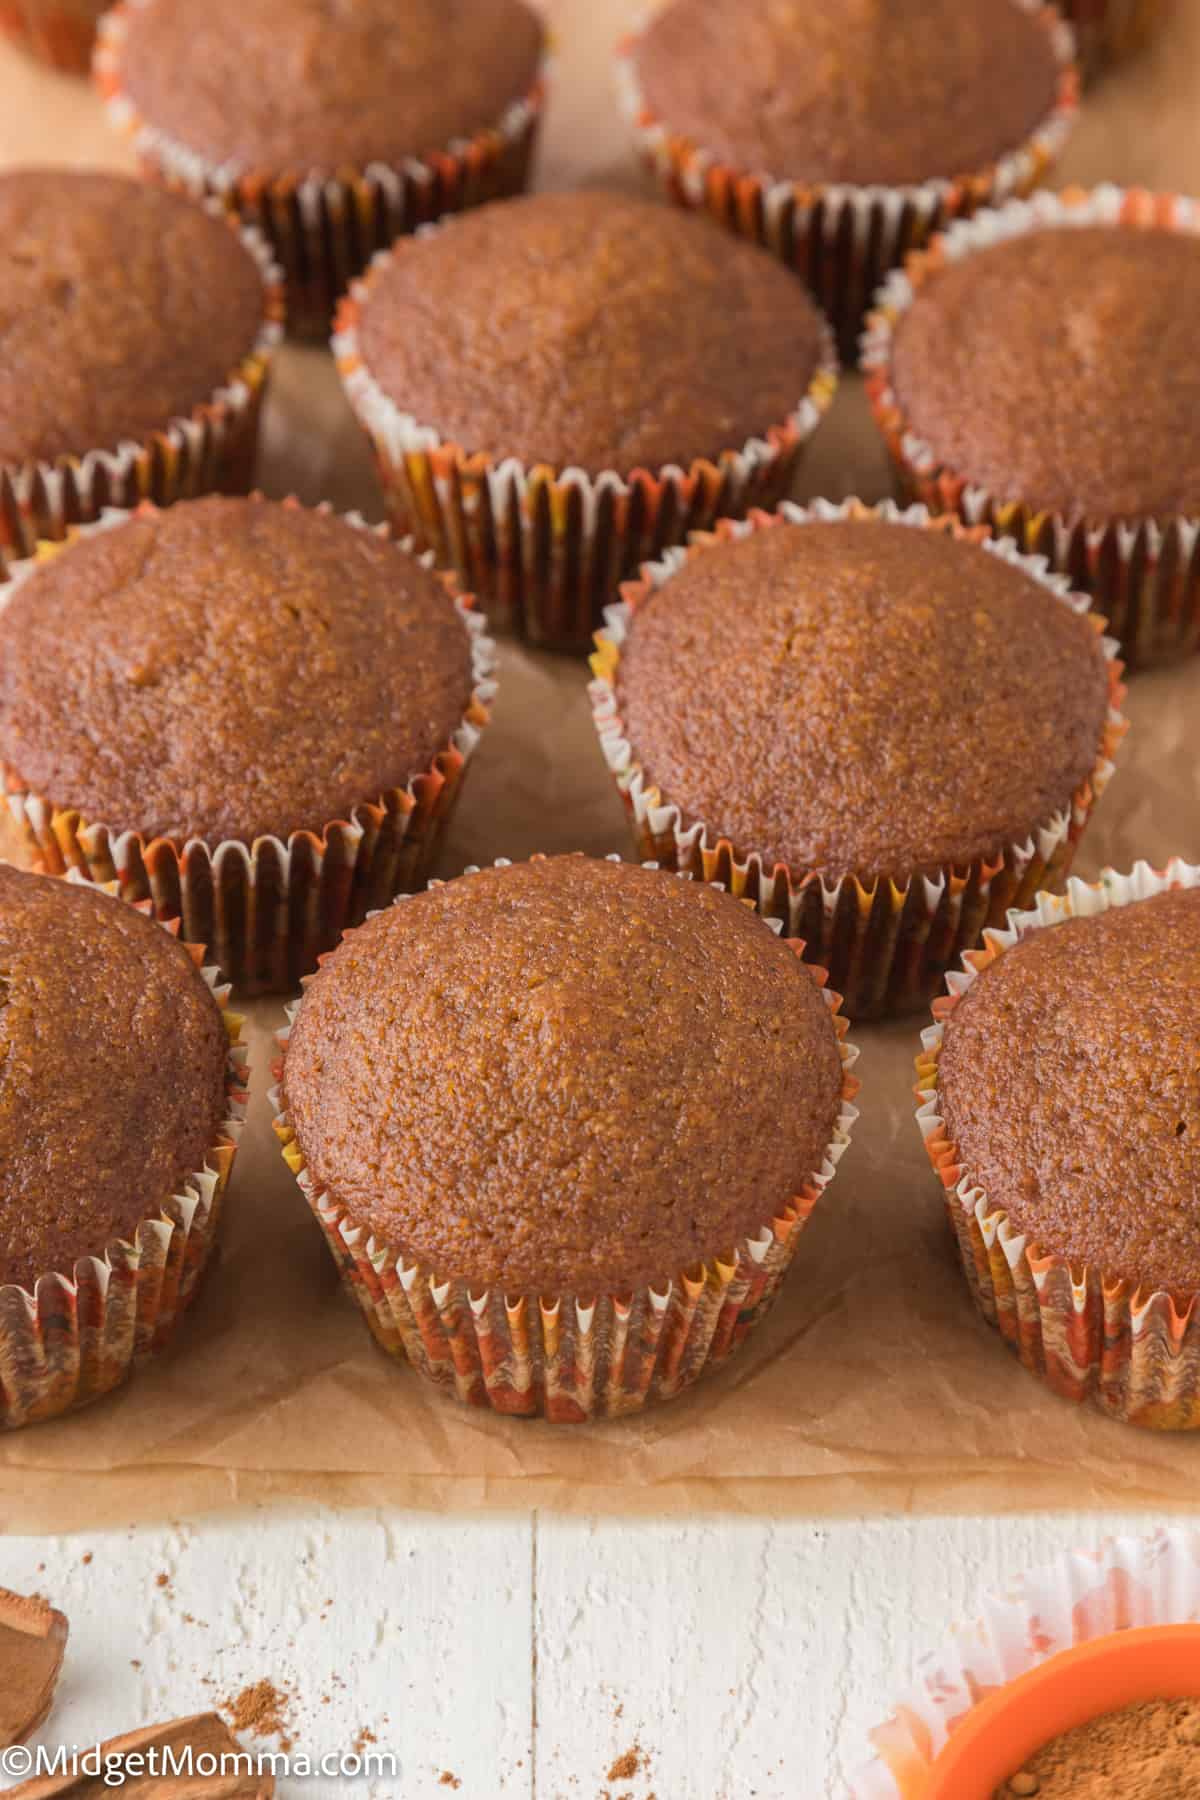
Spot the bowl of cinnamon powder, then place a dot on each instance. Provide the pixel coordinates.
(1117, 1715)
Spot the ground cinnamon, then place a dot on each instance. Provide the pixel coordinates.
(262, 1709)
(1148, 1751)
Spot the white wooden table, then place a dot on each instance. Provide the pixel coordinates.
(524, 1656)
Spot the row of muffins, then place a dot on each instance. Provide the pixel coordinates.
(152, 681)
(800, 125)
(259, 717)
(562, 1124)
(625, 376)
(483, 1080)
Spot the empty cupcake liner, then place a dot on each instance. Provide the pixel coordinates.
(1129, 1583)
(323, 225)
(548, 547)
(58, 32)
(1107, 31)
(212, 450)
(268, 909)
(886, 944)
(80, 1333)
(1143, 574)
(1090, 1336)
(568, 1357)
(840, 238)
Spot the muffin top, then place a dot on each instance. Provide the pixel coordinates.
(1058, 368)
(300, 85)
(113, 1051)
(123, 306)
(861, 697)
(861, 91)
(609, 333)
(1068, 1079)
(563, 1076)
(228, 669)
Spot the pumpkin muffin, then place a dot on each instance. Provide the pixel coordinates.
(552, 1087)
(359, 121)
(807, 125)
(1061, 1108)
(268, 709)
(612, 350)
(117, 1093)
(863, 706)
(137, 332)
(1036, 372)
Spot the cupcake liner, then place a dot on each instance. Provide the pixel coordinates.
(268, 909)
(841, 238)
(58, 32)
(1129, 1583)
(568, 1357)
(888, 944)
(550, 546)
(1107, 31)
(324, 225)
(79, 1333)
(1143, 574)
(212, 450)
(1090, 1336)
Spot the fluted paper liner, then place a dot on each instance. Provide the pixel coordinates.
(58, 32)
(842, 238)
(568, 1357)
(1143, 574)
(324, 225)
(1089, 1335)
(80, 1333)
(549, 546)
(270, 908)
(1128, 1584)
(211, 450)
(1107, 31)
(886, 945)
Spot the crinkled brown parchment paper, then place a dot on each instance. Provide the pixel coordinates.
(873, 1386)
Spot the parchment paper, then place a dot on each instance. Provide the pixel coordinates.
(873, 1386)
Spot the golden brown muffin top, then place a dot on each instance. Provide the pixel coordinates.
(608, 333)
(565, 1076)
(859, 696)
(228, 669)
(289, 86)
(1069, 1079)
(1059, 368)
(861, 91)
(122, 307)
(113, 1057)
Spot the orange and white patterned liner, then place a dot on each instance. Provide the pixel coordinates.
(1127, 1584)
(1107, 31)
(1143, 574)
(1089, 1335)
(212, 450)
(841, 238)
(325, 225)
(268, 909)
(548, 547)
(81, 1332)
(886, 943)
(569, 1357)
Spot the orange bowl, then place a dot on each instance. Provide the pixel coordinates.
(997, 1737)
